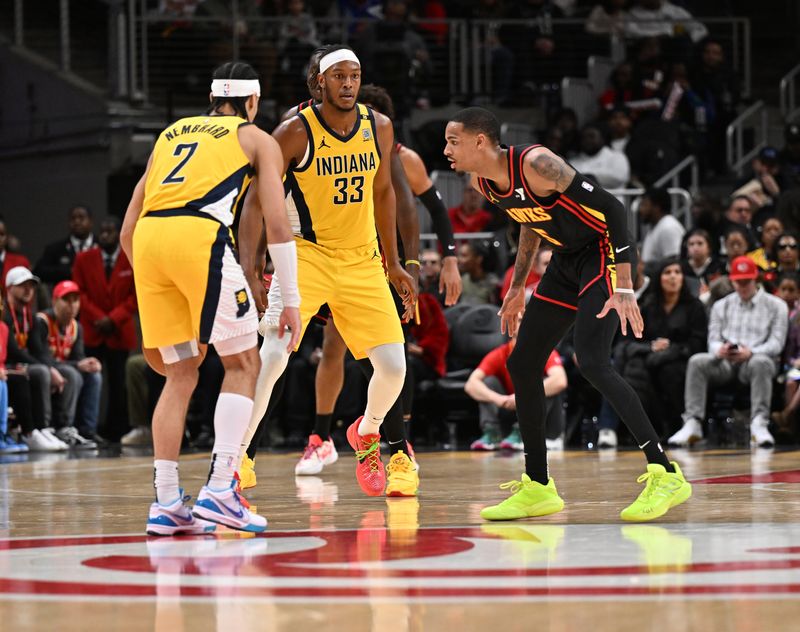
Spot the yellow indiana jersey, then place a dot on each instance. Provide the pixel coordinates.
(330, 191)
(198, 164)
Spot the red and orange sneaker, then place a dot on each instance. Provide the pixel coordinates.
(370, 474)
(238, 489)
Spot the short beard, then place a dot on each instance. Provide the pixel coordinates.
(330, 101)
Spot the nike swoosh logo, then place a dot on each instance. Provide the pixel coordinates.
(644, 445)
(451, 247)
(623, 248)
(239, 514)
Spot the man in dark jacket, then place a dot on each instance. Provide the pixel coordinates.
(55, 265)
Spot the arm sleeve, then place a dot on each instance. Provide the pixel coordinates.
(441, 220)
(592, 195)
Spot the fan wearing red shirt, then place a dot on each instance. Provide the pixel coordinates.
(469, 217)
(540, 263)
(490, 385)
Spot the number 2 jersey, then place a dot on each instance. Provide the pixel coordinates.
(198, 165)
(568, 221)
(330, 191)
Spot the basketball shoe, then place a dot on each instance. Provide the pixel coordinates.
(247, 473)
(663, 490)
(402, 478)
(225, 507)
(370, 474)
(528, 499)
(176, 519)
(487, 442)
(318, 454)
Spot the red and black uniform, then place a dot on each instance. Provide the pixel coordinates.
(588, 231)
(581, 224)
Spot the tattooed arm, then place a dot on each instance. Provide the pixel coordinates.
(546, 172)
(526, 253)
(514, 303)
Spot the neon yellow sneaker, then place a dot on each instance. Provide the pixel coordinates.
(402, 478)
(663, 490)
(247, 473)
(528, 499)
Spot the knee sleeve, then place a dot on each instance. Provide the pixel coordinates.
(389, 363)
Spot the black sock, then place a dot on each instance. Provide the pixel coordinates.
(397, 446)
(322, 426)
(655, 454)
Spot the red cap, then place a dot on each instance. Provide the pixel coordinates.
(743, 268)
(64, 288)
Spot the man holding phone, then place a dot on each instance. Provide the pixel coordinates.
(746, 334)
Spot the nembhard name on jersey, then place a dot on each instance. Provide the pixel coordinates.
(334, 165)
(217, 131)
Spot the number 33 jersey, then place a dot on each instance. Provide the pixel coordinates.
(198, 165)
(329, 192)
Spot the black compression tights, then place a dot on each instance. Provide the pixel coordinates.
(542, 327)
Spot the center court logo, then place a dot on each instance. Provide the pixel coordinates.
(508, 561)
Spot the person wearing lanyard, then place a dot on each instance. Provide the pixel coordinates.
(21, 286)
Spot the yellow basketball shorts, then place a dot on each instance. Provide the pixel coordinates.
(188, 282)
(353, 283)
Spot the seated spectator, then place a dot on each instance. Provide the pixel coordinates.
(764, 256)
(700, 264)
(469, 216)
(490, 385)
(39, 379)
(8, 444)
(8, 260)
(675, 328)
(665, 234)
(61, 346)
(563, 129)
(784, 419)
(540, 263)
(746, 334)
(531, 38)
(108, 304)
(739, 213)
(786, 254)
(55, 264)
(788, 290)
(619, 127)
(735, 244)
(430, 262)
(659, 18)
(597, 160)
(479, 285)
(607, 18)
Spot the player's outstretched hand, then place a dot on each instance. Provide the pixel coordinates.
(406, 288)
(450, 281)
(511, 311)
(290, 318)
(628, 310)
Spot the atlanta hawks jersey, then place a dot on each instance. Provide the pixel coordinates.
(198, 165)
(566, 224)
(330, 192)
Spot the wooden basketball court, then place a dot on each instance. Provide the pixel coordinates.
(73, 555)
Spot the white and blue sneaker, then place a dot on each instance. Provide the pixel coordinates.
(8, 445)
(225, 507)
(176, 519)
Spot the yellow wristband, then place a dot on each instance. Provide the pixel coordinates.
(412, 261)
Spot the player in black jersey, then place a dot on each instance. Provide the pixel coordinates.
(588, 283)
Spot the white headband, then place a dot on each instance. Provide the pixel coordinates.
(235, 87)
(335, 57)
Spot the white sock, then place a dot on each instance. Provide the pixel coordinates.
(231, 417)
(370, 424)
(165, 480)
(274, 359)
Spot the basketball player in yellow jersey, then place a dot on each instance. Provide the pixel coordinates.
(192, 292)
(340, 189)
